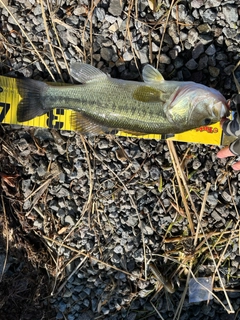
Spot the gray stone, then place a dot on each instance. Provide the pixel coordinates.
(228, 70)
(41, 170)
(27, 204)
(59, 315)
(196, 164)
(166, 203)
(62, 306)
(38, 223)
(72, 20)
(107, 43)
(122, 25)
(173, 33)
(179, 12)
(115, 258)
(86, 302)
(143, 5)
(204, 28)
(37, 10)
(116, 7)
(212, 199)
(71, 37)
(173, 54)
(183, 36)
(226, 196)
(110, 19)
(220, 40)
(63, 192)
(212, 3)
(191, 64)
(192, 36)
(206, 308)
(205, 38)
(67, 294)
(62, 177)
(198, 50)
(87, 315)
(120, 44)
(211, 50)
(113, 28)
(146, 229)
(209, 16)
(138, 255)
(195, 14)
(229, 32)
(100, 13)
(140, 193)
(216, 216)
(221, 56)
(127, 56)
(230, 13)
(22, 144)
(143, 55)
(26, 187)
(106, 53)
(154, 173)
(197, 3)
(132, 221)
(214, 72)
(118, 249)
(145, 146)
(69, 219)
(168, 40)
(164, 59)
(27, 72)
(97, 57)
(178, 63)
(155, 48)
(103, 144)
(212, 61)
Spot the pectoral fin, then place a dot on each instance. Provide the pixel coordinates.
(86, 125)
(151, 74)
(84, 73)
(147, 94)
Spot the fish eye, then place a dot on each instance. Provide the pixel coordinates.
(207, 121)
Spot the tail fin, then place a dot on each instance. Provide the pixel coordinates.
(31, 105)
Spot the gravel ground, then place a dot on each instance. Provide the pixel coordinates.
(82, 216)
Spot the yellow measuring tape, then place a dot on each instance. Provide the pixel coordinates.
(60, 119)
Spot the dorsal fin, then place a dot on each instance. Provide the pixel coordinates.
(151, 74)
(84, 73)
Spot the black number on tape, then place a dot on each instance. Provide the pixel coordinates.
(4, 108)
(52, 119)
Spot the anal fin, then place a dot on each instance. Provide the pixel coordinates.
(134, 133)
(83, 124)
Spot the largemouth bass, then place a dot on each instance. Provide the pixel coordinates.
(103, 104)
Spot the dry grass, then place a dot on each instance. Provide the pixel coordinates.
(6, 232)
